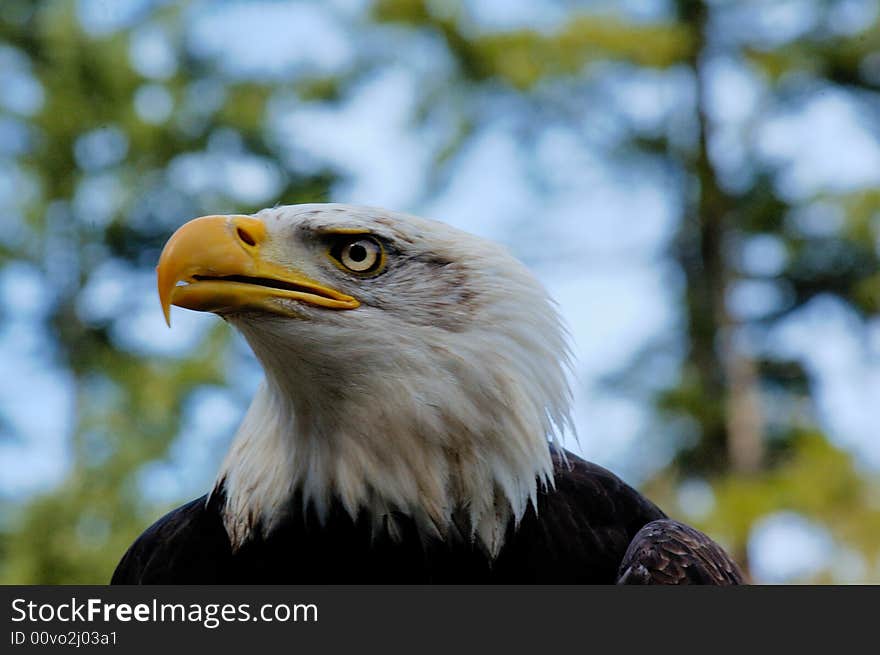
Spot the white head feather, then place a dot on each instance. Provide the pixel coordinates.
(439, 395)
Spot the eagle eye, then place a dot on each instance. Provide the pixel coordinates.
(362, 255)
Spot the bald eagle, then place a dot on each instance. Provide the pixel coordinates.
(408, 427)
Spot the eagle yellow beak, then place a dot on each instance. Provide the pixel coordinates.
(218, 260)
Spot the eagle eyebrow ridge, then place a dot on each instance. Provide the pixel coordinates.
(353, 231)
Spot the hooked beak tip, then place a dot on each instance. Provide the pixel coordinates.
(164, 297)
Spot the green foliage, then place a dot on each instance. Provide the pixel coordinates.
(815, 479)
(838, 59)
(523, 58)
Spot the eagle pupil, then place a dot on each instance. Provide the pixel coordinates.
(357, 253)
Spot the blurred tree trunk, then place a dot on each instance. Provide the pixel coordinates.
(745, 424)
(725, 379)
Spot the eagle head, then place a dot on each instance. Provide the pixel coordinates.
(410, 368)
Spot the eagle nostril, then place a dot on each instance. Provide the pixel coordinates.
(245, 236)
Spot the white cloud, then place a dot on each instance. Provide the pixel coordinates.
(269, 39)
(839, 154)
(369, 138)
(785, 546)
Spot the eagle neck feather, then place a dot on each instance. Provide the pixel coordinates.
(482, 453)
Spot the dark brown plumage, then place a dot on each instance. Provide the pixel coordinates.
(592, 528)
(669, 552)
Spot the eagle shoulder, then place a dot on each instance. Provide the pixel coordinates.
(669, 552)
(187, 545)
(579, 529)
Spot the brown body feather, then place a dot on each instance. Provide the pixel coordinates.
(592, 528)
